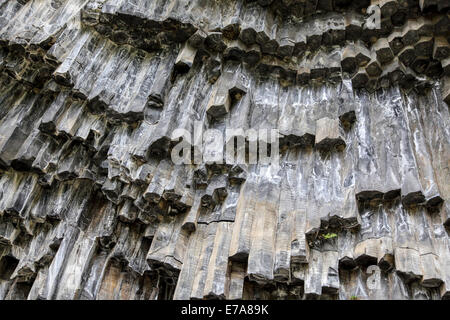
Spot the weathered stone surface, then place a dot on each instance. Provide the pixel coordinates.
(328, 136)
(93, 207)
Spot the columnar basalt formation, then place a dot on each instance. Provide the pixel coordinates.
(93, 207)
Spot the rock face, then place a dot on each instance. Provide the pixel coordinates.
(93, 207)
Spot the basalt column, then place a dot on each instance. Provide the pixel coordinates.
(95, 96)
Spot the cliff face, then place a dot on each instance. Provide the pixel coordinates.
(92, 207)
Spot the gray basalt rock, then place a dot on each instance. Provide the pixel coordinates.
(328, 136)
(92, 205)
